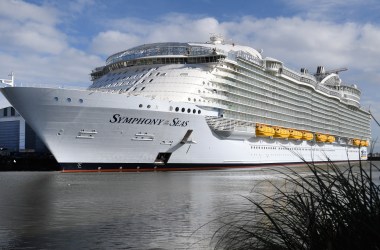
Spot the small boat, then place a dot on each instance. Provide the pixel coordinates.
(320, 137)
(330, 139)
(264, 130)
(281, 132)
(295, 134)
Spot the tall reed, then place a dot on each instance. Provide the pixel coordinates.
(335, 207)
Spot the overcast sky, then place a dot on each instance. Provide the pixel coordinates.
(60, 42)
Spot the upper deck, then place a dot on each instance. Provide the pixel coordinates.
(217, 50)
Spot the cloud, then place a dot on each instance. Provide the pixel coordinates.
(33, 46)
(21, 11)
(30, 28)
(297, 41)
(113, 41)
(130, 32)
(336, 10)
(78, 6)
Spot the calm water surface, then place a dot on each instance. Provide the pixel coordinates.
(156, 210)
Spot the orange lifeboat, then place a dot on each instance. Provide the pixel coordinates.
(364, 143)
(295, 134)
(356, 142)
(330, 139)
(307, 136)
(264, 130)
(320, 137)
(280, 132)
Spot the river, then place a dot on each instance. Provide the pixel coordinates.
(150, 210)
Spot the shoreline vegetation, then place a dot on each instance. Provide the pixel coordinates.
(333, 207)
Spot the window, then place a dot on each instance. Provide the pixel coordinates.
(5, 111)
(148, 106)
(151, 80)
(80, 100)
(140, 106)
(176, 109)
(142, 88)
(69, 99)
(183, 109)
(56, 99)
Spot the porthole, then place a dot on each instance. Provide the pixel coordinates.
(176, 109)
(56, 99)
(199, 111)
(80, 100)
(189, 99)
(183, 109)
(148, 106)
(140, 106)
(194, 111)
(69, 99)
(188, 110)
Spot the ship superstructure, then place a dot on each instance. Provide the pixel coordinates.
(192, 105)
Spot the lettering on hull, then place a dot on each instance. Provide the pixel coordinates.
(176, 122)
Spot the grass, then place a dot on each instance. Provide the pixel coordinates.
(335, 207)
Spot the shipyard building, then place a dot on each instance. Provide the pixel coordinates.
(16, 135)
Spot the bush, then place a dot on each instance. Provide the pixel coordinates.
(335, 207)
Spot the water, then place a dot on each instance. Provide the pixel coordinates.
(156, 210)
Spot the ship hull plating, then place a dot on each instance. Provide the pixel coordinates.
(101, 131)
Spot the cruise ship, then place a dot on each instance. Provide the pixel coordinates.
(190, 106)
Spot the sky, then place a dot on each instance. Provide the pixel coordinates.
(59, 42)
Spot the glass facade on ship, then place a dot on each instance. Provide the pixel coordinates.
(159, 49)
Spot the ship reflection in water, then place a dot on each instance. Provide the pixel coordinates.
(156, 210)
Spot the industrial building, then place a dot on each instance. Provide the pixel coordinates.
(16, 135)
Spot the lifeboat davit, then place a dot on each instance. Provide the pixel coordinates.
(320, 137)
(330, 139)
(308, 136)
(264, 130)
(356, 142)
(280, 132)
(295, 134)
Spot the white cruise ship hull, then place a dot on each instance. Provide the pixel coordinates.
(91, 130)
